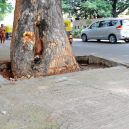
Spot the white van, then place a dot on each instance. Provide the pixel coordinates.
(108, 29)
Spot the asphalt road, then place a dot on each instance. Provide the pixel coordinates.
(117, 52)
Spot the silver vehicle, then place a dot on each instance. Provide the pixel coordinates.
(109, 29)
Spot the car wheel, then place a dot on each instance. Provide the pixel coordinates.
(98, 40)
(127, 41)
(112, 39)
(84, 38)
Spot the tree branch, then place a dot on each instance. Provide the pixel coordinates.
(122, 9)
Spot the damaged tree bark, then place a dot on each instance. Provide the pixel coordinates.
(39, 44)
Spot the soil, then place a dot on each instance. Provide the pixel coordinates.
(6, 73)
(91, 66)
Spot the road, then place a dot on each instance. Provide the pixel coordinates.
(5, 50)
(117, 52)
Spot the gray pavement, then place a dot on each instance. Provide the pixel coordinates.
(5, 50)
(94, 99)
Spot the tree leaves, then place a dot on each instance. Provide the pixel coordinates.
(118, 6)
(5, 8)
(94, 8)
(87, 8)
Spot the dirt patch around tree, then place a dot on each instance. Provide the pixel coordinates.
(5, 69)
(6, 74)
(91, 66)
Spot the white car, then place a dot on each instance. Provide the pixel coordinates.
(108, 29)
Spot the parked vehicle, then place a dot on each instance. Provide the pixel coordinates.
(8, 30)
(108, 29)
(67, 23)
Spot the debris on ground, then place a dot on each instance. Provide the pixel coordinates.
(3, 112)
(5, 70)
(91, 66)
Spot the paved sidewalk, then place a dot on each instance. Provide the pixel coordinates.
(4, 53)
(5, 50)
(94, 99)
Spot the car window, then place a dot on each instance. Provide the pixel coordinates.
(109, 23)
(114, 22)
(102, 24)
(68, 33)
(105, 23)
(95, 25)
(125, 22)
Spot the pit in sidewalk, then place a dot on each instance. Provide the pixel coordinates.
(85, 63)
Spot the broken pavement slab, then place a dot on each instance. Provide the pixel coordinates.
(92, 99)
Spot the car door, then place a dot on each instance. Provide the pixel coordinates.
(92, 31)
(104, 27)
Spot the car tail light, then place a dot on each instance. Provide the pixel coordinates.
(119, 27)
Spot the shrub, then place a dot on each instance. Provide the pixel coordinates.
(78, 32)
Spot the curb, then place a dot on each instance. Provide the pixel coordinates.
(91, 59)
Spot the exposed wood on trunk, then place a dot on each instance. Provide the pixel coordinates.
(38, 42)
(50, 53)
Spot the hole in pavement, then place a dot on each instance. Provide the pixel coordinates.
(85, 63)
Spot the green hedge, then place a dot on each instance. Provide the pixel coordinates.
(77, 32)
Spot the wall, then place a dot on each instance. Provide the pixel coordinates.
(84, 23)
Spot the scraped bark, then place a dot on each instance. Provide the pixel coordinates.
(39, 44)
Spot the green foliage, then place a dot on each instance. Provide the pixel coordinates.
(119, 6)
(127, 13)
(96, 9)
(65, 7)
(87, 8)
(77, 32)
(5, 8)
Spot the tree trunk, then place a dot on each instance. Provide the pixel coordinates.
(86, 15)
(39, 44)
(114, 13)
(98, 16)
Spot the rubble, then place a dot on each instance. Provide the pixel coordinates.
(3, 112)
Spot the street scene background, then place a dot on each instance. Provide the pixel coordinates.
(118, 52)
